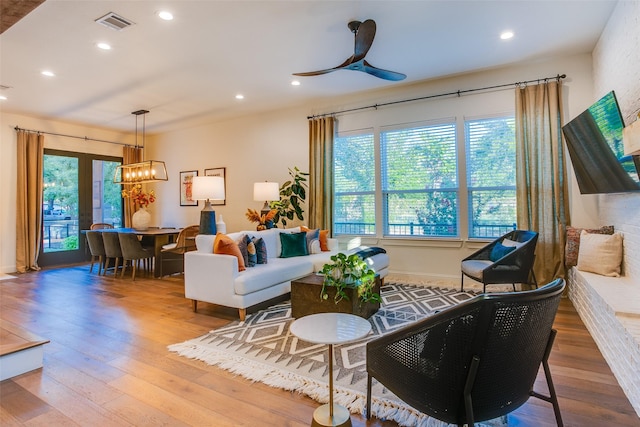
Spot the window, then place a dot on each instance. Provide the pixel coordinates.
(354, 185)
(419, 181)
(491, 176)
(419, 177)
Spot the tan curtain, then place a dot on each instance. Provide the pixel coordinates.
(29, 200)
(130, 155)
(542, 194)
(321, 173)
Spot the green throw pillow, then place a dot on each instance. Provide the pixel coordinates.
(293, 244)
(498, 251)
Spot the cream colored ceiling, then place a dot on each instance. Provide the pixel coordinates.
(187, 71)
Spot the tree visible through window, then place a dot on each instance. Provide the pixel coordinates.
(491, 176)
(419, 181)
(419, 168)
(354, 180)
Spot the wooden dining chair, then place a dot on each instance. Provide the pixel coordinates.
(100, 226)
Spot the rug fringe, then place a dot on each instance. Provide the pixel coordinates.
(354, 401)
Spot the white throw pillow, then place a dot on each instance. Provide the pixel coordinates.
(511, 243)
(600, 253)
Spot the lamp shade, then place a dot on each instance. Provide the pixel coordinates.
(266, 191)
(631, 138)
(207, 188)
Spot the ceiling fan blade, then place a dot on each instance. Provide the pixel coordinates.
(328, 70)
(315, 73)
(383, 74)
(364, 39)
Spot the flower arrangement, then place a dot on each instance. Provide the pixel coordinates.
(264, 221)
(138, 196)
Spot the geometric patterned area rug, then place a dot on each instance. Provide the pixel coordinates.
(262, 349)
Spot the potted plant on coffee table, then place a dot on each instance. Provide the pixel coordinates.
(351, 285)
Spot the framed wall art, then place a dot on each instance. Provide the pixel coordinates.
(186, 185)
(218, 172)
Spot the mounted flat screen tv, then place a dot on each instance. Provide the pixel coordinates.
(594, 141)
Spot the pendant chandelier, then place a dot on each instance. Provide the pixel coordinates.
(144, 171)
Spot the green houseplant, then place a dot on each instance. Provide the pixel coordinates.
(292, 195)
(349, 272)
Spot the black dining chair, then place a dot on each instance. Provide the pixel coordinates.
(96, 247)
(134, 252)
(112, 250)
(472, 362)
(508, 259)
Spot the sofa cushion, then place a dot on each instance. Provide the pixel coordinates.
(572, 245)
(600, 253)
(475, 267)
(278, 270)
(293, 244)
(499, 250)
(261, 250)
(225, 245)
(312, 235)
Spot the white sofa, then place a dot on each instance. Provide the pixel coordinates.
(214, 278)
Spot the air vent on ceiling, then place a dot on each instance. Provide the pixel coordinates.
(115, 22)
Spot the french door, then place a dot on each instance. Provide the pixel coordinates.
(78, 191)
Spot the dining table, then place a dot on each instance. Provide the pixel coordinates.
(154, 238)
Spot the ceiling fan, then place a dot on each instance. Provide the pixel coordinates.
(364, 33)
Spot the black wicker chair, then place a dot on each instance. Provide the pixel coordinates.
(514, 267)
(473, 362)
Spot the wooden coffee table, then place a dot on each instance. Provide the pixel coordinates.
(305, 299)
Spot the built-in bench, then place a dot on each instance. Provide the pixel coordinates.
(610, 309)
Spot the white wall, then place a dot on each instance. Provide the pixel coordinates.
(616, 65)
(263, 147)
(8, 156)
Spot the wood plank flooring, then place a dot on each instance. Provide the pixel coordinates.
(107, 363)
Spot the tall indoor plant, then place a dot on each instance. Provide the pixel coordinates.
(292, 196)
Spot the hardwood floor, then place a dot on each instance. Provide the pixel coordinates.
(107, 363)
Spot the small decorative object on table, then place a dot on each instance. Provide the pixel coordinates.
(141, 218)
(264, 221)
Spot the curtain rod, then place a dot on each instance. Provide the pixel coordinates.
(73, 136)
(458, 92)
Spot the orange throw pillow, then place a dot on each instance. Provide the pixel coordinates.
(227, 246)
(324, 244)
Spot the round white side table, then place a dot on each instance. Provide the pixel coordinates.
(330, 328)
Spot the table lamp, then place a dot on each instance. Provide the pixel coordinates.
(208, 188)
(267, 191)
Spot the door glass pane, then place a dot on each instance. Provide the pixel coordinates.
(60, 203)
(107, 200)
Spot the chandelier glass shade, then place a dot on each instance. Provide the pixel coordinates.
(144, 171)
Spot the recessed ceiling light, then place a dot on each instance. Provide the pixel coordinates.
(167, 16)
(295, 83)
(506, 35)
(3, 98)
(239, 96)
(104, 46)
(47, 73)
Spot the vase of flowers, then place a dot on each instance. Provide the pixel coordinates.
(141, 218)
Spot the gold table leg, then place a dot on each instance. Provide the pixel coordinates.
(330, 415)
